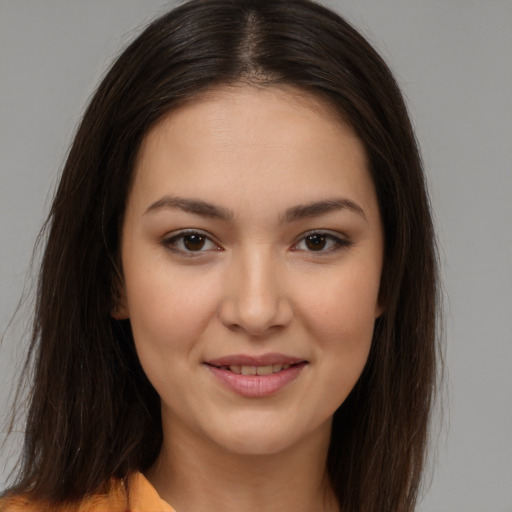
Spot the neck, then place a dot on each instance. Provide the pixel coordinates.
(194, 474)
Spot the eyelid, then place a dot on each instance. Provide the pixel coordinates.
(341, 241)
(168, 239)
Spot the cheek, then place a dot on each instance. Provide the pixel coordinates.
(344, 306)
(341, 317)
(168, 313)
(168, 310)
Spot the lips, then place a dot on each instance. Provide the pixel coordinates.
(262, 360)
(256, 370)
(256, 376)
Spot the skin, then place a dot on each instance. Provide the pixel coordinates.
(254, 286)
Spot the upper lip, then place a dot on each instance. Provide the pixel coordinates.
(261, 360)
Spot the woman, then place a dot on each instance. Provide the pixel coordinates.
(237, 302)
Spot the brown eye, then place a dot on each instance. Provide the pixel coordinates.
(321, 242)
(190, 242)
(316, 242)
(194, 242)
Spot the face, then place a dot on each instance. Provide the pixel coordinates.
(252, 252)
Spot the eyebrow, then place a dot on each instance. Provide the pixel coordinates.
(317, 208)
(293, 214)
(194, 206)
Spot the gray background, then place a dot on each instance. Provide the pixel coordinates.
(453, 60)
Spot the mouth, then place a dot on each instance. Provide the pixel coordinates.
(256, 376)
(256, 370)
(265, 364)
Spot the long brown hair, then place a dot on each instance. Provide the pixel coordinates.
(93, 414)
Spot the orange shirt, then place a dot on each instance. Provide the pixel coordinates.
(138, 496)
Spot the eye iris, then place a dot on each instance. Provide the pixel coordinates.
(194, 242)
(316, 242)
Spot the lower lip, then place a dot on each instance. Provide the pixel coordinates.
(257, 385)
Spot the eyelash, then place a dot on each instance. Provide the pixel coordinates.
(171, 243)
(338, 242)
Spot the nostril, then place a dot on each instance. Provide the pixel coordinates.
(254, 322)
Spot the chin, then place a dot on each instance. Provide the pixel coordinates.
(265, 437)
(256, 444)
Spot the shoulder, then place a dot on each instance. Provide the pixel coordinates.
(113, 500)
(137, 495)
(17, 504)
(96, 504)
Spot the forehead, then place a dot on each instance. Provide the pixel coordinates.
(280, 142)
(234, 114)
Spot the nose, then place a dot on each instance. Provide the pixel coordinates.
(255, 299)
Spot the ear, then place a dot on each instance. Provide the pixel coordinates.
(119, 309)
(120, 312)
(380, 304)
(379, 310)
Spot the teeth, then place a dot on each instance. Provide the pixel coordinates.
(264, 370)
(256, 370)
